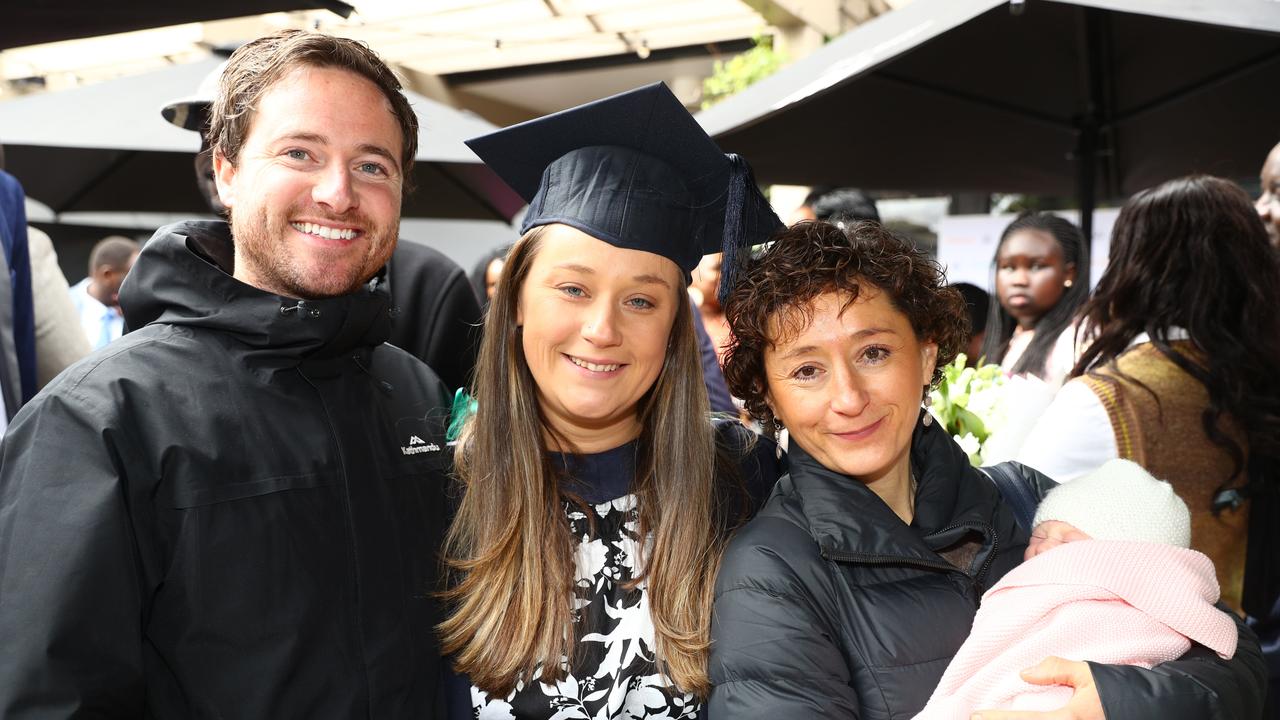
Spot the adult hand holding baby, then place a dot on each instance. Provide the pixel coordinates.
(1085, 704)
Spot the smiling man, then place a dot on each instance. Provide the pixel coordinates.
(313, 186)
(234, 510)
(438, 317)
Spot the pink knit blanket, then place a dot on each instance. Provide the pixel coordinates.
(1126, 603)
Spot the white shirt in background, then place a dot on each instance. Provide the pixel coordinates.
(101, 323)
(1058, 364)
(1074, 435)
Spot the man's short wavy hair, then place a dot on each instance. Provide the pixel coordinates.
(258, 65)
(775, 292)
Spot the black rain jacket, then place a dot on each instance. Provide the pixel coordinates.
(437, 317)
(828, 605)
(232, 512)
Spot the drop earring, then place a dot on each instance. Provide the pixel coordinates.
(925, 402)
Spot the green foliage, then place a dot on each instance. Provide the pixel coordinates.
(741, 71)
(967, 402)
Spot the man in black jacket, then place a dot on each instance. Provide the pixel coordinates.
(234, 511)
(438, 318)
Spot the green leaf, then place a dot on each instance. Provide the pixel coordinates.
(740, 71)
(967, 422)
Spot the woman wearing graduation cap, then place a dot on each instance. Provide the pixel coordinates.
(597, 494)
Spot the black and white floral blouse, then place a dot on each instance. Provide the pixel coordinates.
(615, 675)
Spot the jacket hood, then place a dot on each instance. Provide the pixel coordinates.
(844, 513)
(183, 278)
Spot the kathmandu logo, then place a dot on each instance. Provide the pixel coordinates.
(417, 445)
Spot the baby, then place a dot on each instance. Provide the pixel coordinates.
(1134, 594)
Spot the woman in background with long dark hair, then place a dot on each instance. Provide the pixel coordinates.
(1181, 372)
(1029, 329)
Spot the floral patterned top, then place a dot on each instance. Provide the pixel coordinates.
(615, 676)
(614, 673)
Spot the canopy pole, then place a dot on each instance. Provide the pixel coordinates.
(1086, 190)
(1094, 61)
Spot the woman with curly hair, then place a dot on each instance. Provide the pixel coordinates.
(1181, 375)
(858, 581)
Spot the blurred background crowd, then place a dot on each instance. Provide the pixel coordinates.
(1002, 137)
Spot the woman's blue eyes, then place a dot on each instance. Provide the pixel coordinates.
(637, 303)
(297, 154)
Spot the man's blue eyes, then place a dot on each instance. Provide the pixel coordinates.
(370, 168)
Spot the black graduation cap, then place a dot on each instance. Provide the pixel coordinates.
(636, 171)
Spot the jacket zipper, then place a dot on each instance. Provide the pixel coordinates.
(351, 533)
(988, 531)
(870, 559)
(383, 385)
(873, 559)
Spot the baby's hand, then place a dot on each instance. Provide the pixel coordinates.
(1050, 534)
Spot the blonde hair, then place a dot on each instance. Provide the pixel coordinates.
(510, 551)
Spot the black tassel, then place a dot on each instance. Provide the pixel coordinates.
(744, 212)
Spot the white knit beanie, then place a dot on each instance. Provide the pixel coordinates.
(1120, 501)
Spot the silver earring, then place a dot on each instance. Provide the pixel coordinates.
(925, 403)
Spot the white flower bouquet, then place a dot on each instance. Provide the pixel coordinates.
(969, 404)
(988, 412)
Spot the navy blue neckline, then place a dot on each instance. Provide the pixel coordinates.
(598, 477)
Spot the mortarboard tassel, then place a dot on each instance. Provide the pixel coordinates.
(742, 208)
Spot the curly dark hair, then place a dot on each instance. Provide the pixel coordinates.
(813, 258)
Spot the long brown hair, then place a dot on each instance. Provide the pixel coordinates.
(509, 550)
(1193, 254)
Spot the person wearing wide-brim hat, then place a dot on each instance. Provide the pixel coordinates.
(597, 494)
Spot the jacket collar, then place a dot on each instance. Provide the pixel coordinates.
(183, 277)
(845, 516)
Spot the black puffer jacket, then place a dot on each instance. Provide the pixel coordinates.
(231, 512)
(827, 605)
